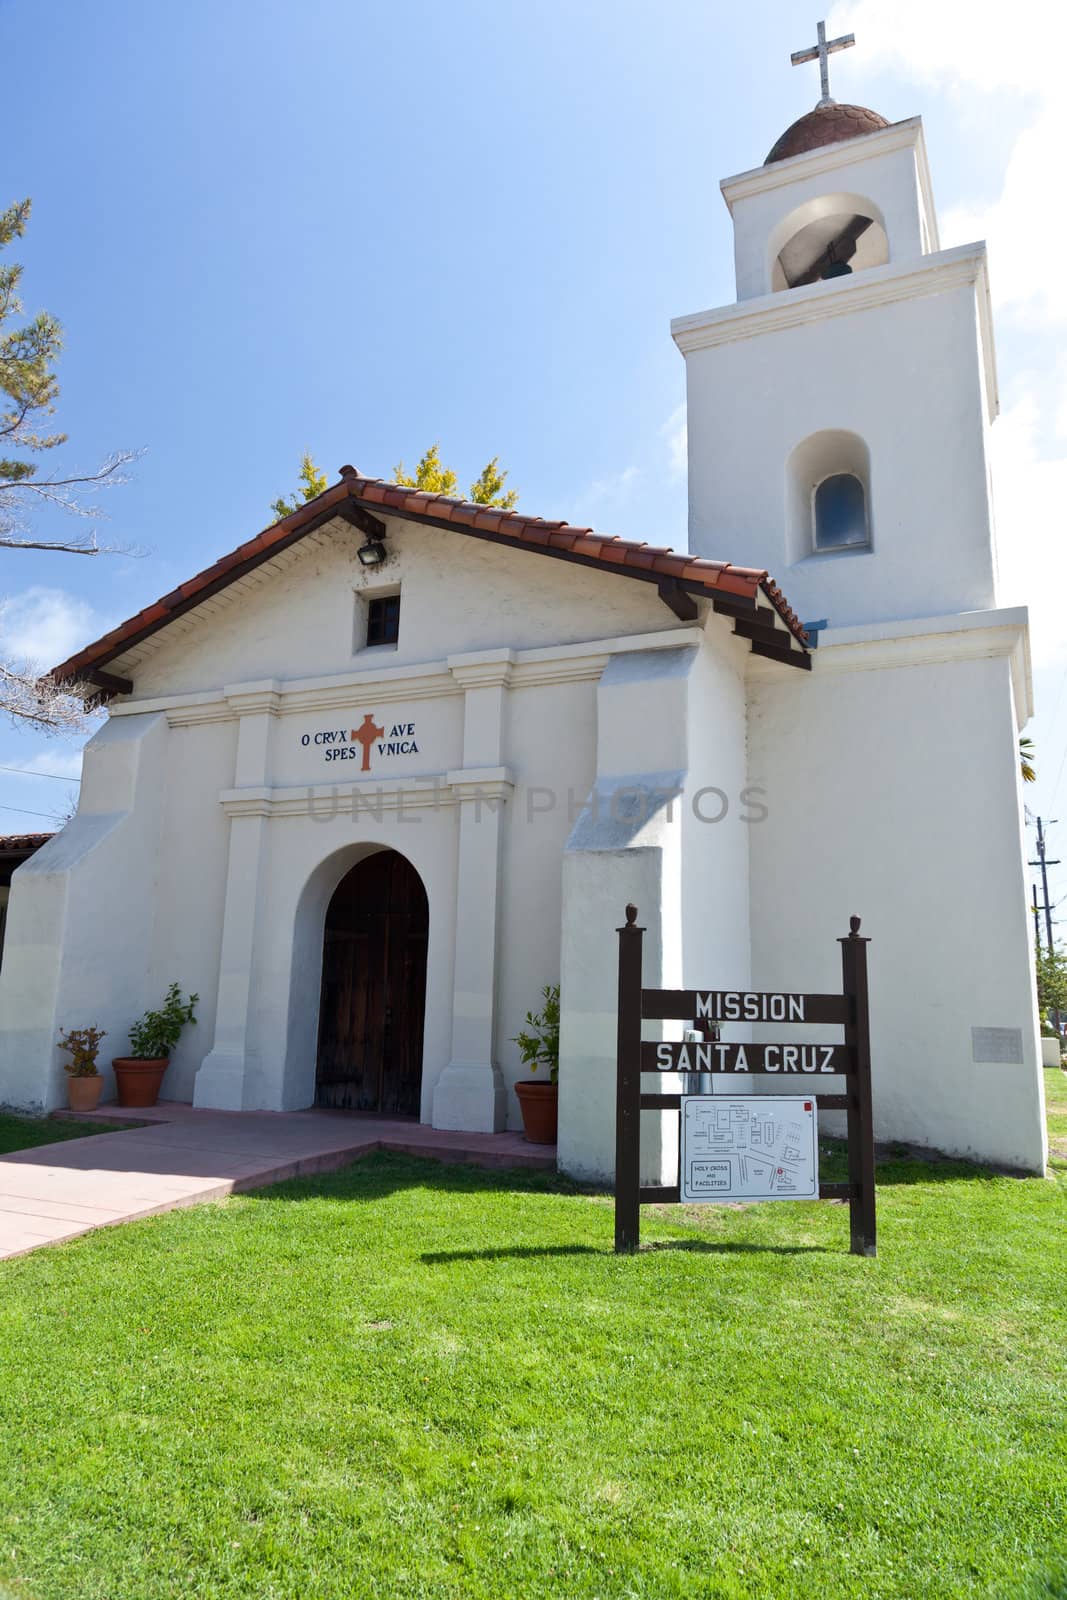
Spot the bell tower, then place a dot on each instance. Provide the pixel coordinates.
(838, 410)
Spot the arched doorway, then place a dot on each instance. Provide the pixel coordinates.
(374, 989)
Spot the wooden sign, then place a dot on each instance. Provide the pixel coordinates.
(741, 1005)
(849, 1060)
(709, 1055)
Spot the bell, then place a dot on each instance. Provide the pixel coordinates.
(836, 269)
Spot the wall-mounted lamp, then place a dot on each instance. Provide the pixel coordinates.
(371, 554)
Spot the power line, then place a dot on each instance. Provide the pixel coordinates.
(27, 772)
(1059, 775)
(49, 816)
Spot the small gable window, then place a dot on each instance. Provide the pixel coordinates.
(383, 619)
(839, 513)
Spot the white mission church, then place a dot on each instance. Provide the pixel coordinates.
(375, 777)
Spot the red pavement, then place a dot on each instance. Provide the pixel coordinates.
(180, 1157)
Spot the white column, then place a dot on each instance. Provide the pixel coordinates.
(220, 1082)
(470, 1093)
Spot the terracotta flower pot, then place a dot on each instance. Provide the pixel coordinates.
(539, 1103)
(83, 1094)
(138, 1082)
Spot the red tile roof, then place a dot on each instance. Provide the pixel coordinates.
(28, 842)
(622, 556)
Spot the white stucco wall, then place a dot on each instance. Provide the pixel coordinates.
(551, 749)
(192, 883)
(294, 617)
(83, 917)
(671, 728)
(219, 866)
(893, 794)
(905, 375)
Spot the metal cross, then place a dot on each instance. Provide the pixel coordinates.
(822, 52)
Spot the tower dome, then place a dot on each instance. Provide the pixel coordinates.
(828, 123)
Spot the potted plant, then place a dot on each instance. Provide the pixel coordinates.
(139, 1075)
(84, 1083)
(538, 1044)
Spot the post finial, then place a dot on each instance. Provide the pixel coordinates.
(631, 915)
(853, 926)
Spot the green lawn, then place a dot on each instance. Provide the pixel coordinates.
(407, 1380)
(1056, 1101)
(22, 1133)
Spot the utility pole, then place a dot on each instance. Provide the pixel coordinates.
(1037, 916)
(1044, 864)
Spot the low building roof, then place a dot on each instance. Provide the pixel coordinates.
(12, 843)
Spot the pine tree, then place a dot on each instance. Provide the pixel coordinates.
(28, 392)
(434, 478)
(313, 484)
(488, 489)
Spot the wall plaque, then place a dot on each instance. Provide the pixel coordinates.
(1002, 1045)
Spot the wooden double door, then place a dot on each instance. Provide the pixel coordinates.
(374, 989)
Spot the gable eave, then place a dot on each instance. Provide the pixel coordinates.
(357, 499)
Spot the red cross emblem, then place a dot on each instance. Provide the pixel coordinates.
(366, 735)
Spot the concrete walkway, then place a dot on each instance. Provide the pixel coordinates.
(175, 1156)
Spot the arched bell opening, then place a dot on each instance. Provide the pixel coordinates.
(373, 997)
(831, 237)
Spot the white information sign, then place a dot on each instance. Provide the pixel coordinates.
(751, 1148)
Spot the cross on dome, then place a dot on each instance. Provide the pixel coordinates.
(822, 52)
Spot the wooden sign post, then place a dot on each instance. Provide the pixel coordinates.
(851, 1060)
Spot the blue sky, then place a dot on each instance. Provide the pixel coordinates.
(356, 228)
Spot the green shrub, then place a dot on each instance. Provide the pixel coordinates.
(538, 1042)
(157, 1032)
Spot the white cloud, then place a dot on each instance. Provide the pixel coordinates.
(1010, 67)
(605, 498)
(961, 44)
(1025, 227)
(975, 52)
(43, 626)
(52, 763)
(1030, 494)
(613, 488)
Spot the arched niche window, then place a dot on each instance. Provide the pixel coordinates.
(829, 237)
(839, 512)
(828, 495)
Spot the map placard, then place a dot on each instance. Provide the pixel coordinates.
(751, 1148)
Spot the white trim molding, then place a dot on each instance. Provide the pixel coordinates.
(513, 669)
(431, 792)
(841, 297)
(923, 641)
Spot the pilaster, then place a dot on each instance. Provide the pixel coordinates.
(470, 1092)
(220, 1082)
